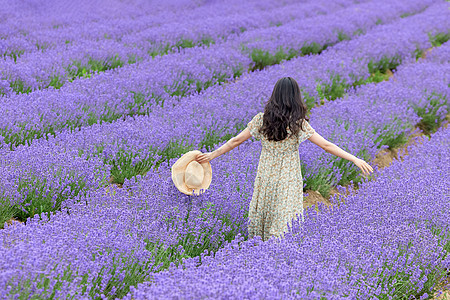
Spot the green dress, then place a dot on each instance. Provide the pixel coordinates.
(278, 189)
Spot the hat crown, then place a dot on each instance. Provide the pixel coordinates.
(193, 176)
(189, 175)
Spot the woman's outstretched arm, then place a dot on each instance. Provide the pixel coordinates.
(229, 145)
(335, 150)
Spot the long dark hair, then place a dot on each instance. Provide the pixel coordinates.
(284, 108)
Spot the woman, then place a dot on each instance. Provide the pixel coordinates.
(278, 189)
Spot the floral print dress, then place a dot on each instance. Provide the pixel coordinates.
(278, 189)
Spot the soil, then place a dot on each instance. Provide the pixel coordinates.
(13, 221)
(386, 156)
(445, 291)
(111, 182)
(424, 54)
(313, 198)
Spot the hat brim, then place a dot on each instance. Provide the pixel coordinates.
(179, 167)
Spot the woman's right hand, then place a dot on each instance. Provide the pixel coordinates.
(365, 167)
(204, 157)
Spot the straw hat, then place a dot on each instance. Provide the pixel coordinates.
(188, 174)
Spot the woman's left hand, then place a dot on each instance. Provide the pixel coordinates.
(204, 157)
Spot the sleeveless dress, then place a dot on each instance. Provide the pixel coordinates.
(278, 188)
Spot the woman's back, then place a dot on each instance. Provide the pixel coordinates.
(278, 188)
(289, 144)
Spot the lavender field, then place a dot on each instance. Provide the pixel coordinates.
(98, 99)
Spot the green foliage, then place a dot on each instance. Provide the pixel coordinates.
(140, 106)
(38, 197)
(358, 32)
(108, 115)
(183, 87)
(140, 100)
(212, 137)
(439, 38)
(41, 46)
(178, 88)
(406, 15)
(55, 82)
(184, 43)
(262, 58)
(312, 48)
(155, 52)
(277, 24)
(132, 59)
(390, 138)
(127, 165)
(376, 77)
(319, 181)
(207, 41)
(384, 64)
(6, 212)
(76, 69)
(14, 54)
(309, 100)
(18, 86)
(334, 90)
(350, 172)
(26, 135)
(339, 86)
(181, 44)
(194, 248)
(126, 272)
(343, 37)
(431, 119)
(238, 71)
(174, 149)
(19, 138)
(418, 53)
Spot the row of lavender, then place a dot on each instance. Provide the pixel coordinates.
(135, 90)
(54, 67)
(131, 90)
(39, 29)
(37, 18)
(124, 236)
(30, 31)
(202, 115)
(119, 237)
(38, 179)
(390, 240)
